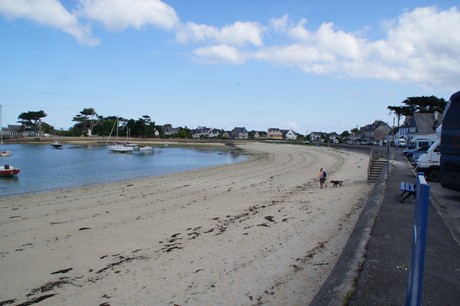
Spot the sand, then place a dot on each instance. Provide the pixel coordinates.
(260, 232)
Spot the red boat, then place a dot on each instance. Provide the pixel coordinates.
(8, 170)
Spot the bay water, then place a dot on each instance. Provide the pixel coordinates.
(45, 168)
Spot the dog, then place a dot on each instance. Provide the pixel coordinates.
(336, 183)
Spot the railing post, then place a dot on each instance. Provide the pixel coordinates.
(415, 282)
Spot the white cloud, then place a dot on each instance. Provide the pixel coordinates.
(220, 54)
(236, 34)
(50, 13)
(195, 33)
(420, 47)
(279, 24)
(117, 15)
(344, 45)
(299, 32)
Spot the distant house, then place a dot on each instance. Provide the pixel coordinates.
(403, 130)
(422, 124)
(204, 132)
(200, 132)
(316, 137)
(367, 132)
(214, 133)
(18, 130)
(274, 134)
(226, 135)
(289, 134)
(334, 137)
(13, 130)
(257, 135)
(170, 131)
(254, 135)
(239, 133)
(262, 135)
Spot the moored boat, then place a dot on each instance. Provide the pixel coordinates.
(120, 148)
(7, 170)
(5, 153)
(145, 149)
(56, 144)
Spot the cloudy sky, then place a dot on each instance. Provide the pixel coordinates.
(306, 65)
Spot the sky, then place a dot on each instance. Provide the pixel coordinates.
(310, 66)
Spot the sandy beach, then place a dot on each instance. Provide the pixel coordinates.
(260, 232)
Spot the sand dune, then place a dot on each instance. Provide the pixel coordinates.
(258, 232)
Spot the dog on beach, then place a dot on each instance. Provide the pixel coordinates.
(336, 183)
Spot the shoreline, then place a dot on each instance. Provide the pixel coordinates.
(105, 139)
(255, 231)
(214, 147)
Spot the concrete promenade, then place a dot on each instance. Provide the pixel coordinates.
(374, 266)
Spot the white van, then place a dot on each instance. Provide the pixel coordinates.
(429, 162)
(433, 136)
(417, 143)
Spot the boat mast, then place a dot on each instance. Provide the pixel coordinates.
(1, 125)
(117, 129)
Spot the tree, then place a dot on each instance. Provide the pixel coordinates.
(149, 126)
(143, 127)
(105, 126)
(426, 104)
(46, 128)
(32, 119)
(87, 120)
(184, 133)
(401, 111)
(419, 104)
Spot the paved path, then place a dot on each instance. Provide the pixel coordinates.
(383, 280)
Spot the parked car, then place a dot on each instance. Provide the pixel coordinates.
(413, 156)
(402, 142)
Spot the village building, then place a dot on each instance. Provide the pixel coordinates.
(239, 133)
(274, 134)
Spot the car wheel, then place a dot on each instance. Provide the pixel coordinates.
(433, 175)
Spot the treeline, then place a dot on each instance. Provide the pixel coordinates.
(89, 123)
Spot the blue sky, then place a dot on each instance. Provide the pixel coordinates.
(303, 65)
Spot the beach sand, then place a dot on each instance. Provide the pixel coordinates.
(260, 232)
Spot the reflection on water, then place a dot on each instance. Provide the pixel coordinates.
(46, 168)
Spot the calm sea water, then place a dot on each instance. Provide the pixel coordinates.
(45, 168)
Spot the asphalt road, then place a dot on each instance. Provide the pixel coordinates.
(447, 203)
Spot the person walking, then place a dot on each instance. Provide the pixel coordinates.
(322, 178)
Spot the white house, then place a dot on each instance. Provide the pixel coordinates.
(289, 135)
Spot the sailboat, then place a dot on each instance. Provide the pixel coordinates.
(2, 153)
(119, 147)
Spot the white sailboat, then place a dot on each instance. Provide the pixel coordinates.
(2, 153)
(119, 147)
